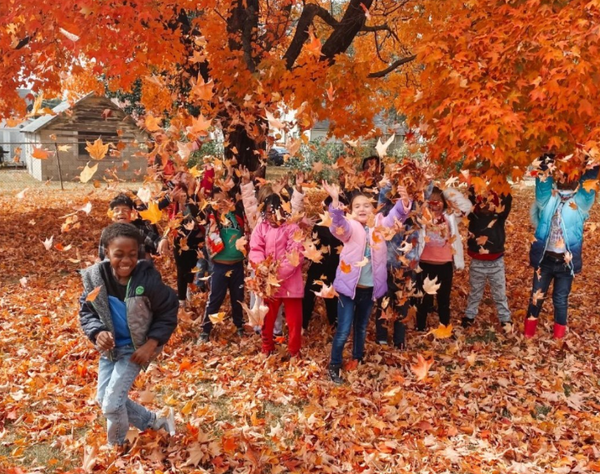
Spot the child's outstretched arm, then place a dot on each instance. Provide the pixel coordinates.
(339, 225)
(585, 199)
(400, 210)
(458, 200)
(249, 198)
(298, 195)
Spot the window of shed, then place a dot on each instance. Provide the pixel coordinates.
(84, 137)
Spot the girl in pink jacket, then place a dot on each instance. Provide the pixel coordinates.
(273, 237)
(361, 276)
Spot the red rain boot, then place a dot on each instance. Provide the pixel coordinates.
(559, 331)
(530, 326)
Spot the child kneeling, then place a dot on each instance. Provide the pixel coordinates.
(129, 320)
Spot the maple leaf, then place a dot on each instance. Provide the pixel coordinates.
(152, 123)
(241, 244)
(293, 258)
(382, 147)
(40, 153)
(88, 172)
(345, 267)
(482, 239)
(64, 147)
(317, 166)
(421, 368)
(97, 150)
(256, 314)
(442, 332)
(153, 214)
(48, 243)
(431, 287)
(274, 122)
(537, 295)
(200, 126)
(92, 295)
(325, 219)
(327, 291)
(590, 185)
(217, 317)
(21, 194)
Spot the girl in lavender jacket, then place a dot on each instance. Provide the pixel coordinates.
(361, 276)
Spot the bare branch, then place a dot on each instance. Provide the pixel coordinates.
(393, 66)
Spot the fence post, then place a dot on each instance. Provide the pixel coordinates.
(59, 169)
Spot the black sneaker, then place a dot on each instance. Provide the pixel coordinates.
(334, 374)
(203, 338)
(467, 322)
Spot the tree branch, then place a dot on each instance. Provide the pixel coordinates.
(301, 35)
(391, 67)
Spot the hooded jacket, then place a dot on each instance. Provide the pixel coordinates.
(354, 237)
(151, 305)
(490, 224)
(575, 211)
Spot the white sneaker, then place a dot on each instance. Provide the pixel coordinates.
(166, 423)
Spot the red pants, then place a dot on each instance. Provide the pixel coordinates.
(293, 317)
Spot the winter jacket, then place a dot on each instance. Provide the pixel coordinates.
(488, 223)
(575, 212)
(354, 237)
(151, 305)
(456, 199)
(279, 242)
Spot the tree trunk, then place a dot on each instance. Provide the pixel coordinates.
(248, 149)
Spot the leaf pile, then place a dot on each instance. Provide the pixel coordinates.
(478, 401)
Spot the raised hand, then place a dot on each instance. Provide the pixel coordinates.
(334, 191)
(404, 196)
(244, 174)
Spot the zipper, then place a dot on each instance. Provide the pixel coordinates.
(126, 318)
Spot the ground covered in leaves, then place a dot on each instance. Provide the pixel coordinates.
(490, 403)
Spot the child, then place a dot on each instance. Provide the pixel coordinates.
(274, 237)
(122, 210)
(361, 276)
(559, 215)
(129, 321)
(485, 246)
(441, 250)
(226, 222)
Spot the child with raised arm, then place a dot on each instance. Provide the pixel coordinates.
(129, 321)
(273, 237)
(441, 251)
(361, 277)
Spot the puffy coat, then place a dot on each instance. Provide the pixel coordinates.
(279, 243)
(575, 212)
(151, 305)
(354, 237)
(456, 199)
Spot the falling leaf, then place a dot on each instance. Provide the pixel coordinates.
(431, 286)
(48, 243)
(217, 317)
(382, 147)
(364, 262)
(69, 35)
(87, 208)
(421, 368)
(442, 332)
(241, 244)
(345, 267)
(40, 153)
(293, 258)
(325, 219)
(537, 295)
(327, 291)
(152, 123)
(23, 282)
(64, 147)
(590, 185)
(153, 214)
(88, 172)
(21, 194)
(92, 295)
(97, 150)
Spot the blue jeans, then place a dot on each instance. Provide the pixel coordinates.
(352, 312)
(114, 382)
(558, 271)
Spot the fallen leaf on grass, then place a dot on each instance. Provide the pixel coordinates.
(421, 368)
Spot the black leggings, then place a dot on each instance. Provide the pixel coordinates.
(185, 261)
(444, 273)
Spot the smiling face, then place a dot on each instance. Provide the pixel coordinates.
(121, 213)
(122, 253)
(436, 204)
(362, 208)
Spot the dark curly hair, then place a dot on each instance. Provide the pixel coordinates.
(121, 200)
(120, 229)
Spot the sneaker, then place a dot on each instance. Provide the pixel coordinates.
(204, 337)
(467, 322)
(166, 423)
(334, 375)
(382, 342)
